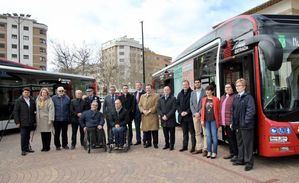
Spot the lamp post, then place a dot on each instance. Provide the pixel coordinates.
(143, 64)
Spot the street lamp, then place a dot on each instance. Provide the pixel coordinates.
(143, 64)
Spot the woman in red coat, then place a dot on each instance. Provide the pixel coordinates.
(210, 118)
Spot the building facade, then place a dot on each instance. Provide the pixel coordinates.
(126, 54)
(23, 40)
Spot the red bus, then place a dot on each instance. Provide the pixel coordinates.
(15, 76)
(263, 49)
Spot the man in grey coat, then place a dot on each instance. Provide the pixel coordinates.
(195, 105)
(109, 110)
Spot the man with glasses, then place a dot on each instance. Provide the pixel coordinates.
(90, 98)
(62, 111)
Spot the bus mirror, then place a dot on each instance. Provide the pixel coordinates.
(271, 48)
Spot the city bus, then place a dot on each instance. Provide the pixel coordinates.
(263, 49)
(15, 76)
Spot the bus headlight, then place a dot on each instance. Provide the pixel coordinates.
(278, 139)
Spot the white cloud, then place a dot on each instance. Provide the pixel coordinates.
(169, 25)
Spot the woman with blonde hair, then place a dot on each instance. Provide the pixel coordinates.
(45, 117)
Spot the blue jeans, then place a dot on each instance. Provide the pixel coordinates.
(211, 131)
(119, 135)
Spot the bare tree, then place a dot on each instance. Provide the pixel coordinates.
(83, 58)
(63, 58)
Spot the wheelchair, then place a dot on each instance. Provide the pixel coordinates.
(99, 139)
(112, 145)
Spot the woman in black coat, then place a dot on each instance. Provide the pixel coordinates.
(166, 110)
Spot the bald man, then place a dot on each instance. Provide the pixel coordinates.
(62, 110)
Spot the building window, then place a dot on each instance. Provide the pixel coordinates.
(14, 36)
(121, 53)
(26, 56)
(2, 25)
(26, 47)
(2, 55)
(42, 41)
(42, 50)
(26, 38)
(14, 26)
(42, 31)
(14, 56)
(42, 59)
(2, 35)
(121, 60)
(14, 46)
(2, 45)
(26, 28)
(121, 47)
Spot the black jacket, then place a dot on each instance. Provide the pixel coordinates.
(91, 119)
(77, 106)
(183, 104)
(121, 118)
(88, 102)
(24, 115)
(243, 112)
(136, 108)
(168, 108)
(128, 104)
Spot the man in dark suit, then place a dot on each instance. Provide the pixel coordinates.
(137, 114)
(166, 111)
(24, 116)
(109, 110)
(90, 98)
(185, 116)
(127, 100)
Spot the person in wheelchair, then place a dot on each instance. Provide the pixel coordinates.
(119, 119)
(92, 121)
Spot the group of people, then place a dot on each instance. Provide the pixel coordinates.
(200, 114)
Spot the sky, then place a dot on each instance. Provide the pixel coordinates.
(170, 26)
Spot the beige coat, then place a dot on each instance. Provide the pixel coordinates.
(149, 122)
(45, 115)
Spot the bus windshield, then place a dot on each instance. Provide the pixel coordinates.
(280, 89)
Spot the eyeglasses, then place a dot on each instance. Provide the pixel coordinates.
(61, 91)
(239, 85)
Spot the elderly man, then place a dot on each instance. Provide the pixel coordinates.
(166, 110)
(91, 121)
(62, 110)
(76, 109)
(120, 119)
(109, 110)
(149, 119)
(24, 116)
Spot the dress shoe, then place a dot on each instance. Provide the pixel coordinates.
(137, 143)
(236, 163)
(204, 153)
(147, 146)
(47, 149)
(234, 158)
(171, 148)
(165, 147)
(66, 147)
(197, 151)
(228, 156)
(58, 148)
(73, 147)
(43, 149)
(156, 146)
(30, 151)
(24, 153)
(183, 149)
(248, 167)
(192, 150)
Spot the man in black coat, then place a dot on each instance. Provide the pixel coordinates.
(76, 109)
(166, 110)
(90, 98)
(243, 122)
(127, 100)
(25, 119)
(137, 114)
(185, 116)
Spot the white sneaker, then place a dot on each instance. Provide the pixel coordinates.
(209, 155)
(213, 155)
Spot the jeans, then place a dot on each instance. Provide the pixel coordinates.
(119, 135)
(211, 131)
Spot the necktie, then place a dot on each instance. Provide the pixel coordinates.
(113, 99)
(137, 97)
